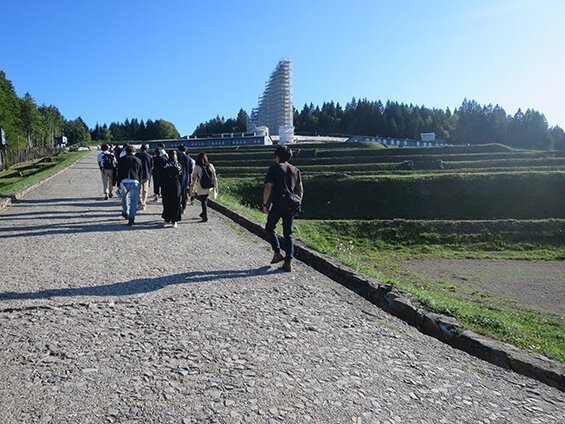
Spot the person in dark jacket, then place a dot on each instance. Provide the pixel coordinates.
(129, 175)
(146, 169)
(117, 153)
(172, 189)
(282, 179)
(187, 170)
(159, 162)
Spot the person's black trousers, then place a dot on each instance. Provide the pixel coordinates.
(204, 200)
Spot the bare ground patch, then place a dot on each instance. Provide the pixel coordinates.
(535, 284)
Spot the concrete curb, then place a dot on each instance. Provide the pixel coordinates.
(403, 306)
(7, 200)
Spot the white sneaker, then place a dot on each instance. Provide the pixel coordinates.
(174, 225)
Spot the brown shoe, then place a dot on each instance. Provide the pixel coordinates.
(287, 266)
(277, 258)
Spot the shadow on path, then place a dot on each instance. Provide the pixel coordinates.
(53, 214)
(110, 224)
(74, 200)
(92, 223)
(139, 286)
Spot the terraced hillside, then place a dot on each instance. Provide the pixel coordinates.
(369, 181)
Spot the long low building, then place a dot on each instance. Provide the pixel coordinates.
(254, 139)
(237, 139)
(396, 141)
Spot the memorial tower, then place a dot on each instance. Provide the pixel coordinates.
(275, 110)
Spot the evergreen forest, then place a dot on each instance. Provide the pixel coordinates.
(27, 125)
(471, 123)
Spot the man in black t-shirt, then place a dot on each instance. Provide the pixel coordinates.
(281, 181)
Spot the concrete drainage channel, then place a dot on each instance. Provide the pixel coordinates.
(401, 305)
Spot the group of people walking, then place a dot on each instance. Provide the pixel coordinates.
(176, 179)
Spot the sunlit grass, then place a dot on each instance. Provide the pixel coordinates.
(33, 171)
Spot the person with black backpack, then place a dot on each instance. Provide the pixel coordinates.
(205, 174)
(107, 164)
(282, 198)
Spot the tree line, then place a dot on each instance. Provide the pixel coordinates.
(27, 125)
(471, 123)
(221, 125)
(135, 130)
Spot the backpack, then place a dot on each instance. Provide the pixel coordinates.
(207, 178)
(108, 161)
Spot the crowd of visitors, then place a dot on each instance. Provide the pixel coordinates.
(178, 178)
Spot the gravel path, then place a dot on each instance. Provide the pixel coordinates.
(102, 323)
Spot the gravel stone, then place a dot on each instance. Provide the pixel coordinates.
(101, 322)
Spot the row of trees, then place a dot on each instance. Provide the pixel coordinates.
(471, 123)
(135, 130)
(27, 125)
(219, 125)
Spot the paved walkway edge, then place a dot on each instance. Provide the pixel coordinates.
(403, 306)
(7, 200)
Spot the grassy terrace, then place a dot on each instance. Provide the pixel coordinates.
(523, 195)
(501, 205)
(26, 173)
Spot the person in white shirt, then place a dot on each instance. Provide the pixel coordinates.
(107, 165)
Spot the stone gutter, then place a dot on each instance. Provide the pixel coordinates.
(7, 200)
(402, 305)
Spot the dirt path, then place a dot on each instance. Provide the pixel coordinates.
(536, 284)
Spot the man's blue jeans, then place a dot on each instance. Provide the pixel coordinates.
(129, 198)
(288, 223)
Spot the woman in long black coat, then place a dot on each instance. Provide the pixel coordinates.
(172, 190)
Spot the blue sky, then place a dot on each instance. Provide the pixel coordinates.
(188, 61)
